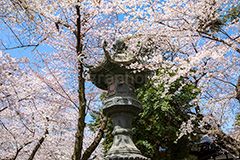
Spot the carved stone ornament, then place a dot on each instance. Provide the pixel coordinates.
(120, 53)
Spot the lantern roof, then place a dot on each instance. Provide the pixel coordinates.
(115, 64)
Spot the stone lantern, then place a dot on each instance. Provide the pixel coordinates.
(121, 105)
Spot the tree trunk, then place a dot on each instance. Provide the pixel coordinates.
(238, 89)
(81, 91)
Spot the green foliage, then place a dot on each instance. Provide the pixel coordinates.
(108, 137)
(231, 14)
(145, 147)
(237, 120)
(156, 127)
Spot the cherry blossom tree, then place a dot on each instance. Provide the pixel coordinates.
(28, 115)
(194, 39)
(58, 87)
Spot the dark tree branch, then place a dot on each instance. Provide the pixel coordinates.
(13, 33)
(3, 109)
(19, 149)
(22, 46)
(36, 148)
(96, 141)
(238, 89)
(214, 38)
(225, 81)
(7, 130)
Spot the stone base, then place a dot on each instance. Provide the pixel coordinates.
(122, 110)
(125, 157)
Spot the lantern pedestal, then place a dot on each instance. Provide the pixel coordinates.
(122, 110)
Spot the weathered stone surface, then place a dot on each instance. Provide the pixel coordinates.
(121, 105)
(126, 157)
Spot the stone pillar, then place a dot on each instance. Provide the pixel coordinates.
(121, 107)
